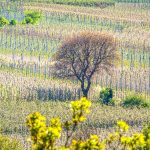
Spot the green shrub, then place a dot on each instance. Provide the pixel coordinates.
(7, 143)
(28, 20)
(135, 101)
(13, 22)
(32, 17)
(106, 96)
(112, 102)
(3, 21)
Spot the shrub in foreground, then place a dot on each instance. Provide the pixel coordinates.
(44, 136)
(9, 144)
(135, 101)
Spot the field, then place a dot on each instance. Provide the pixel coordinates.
(26, 83)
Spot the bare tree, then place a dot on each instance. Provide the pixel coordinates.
(83, 55)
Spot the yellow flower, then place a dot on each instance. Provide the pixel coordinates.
(53, 133)
(94, 143)
(55, 123)
(137, 140)
(83, 104)
(80, 108)
(77, 145)
(123, 126)
(112, 137)
(125, 140)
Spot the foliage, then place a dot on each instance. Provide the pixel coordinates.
(13, 22)
(28, 20)
(135, 101)
(3, 21)
(32, 17)
(44, 137)
(106, 96)
(7, 143)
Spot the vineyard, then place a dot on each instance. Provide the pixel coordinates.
(26, 51)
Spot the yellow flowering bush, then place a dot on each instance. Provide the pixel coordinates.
(80, 108)
(91, 143)
(44, 136)
(122, 126)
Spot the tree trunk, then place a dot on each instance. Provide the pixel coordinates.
(85, 93)
(85, 90)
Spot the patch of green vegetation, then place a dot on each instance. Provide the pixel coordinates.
(106, 96)
(13, 22)
(31, 17)
(3, 21)
(135, 101)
